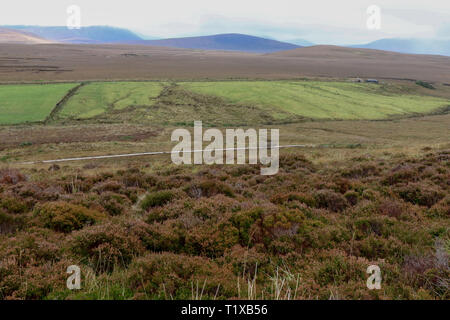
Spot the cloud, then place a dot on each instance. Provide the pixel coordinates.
(320, 21)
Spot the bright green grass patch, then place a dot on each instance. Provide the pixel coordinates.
(96, 98)
(29, 102)
(321, 100)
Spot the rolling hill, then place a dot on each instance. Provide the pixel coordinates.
(128, 62)
(87, 35)
(20, 37)
(227, 42)
(415, 46)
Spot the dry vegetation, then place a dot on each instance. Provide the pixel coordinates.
(165, 232)
(63, 62)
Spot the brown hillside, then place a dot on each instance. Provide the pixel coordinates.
(14, 36)
(112, 62)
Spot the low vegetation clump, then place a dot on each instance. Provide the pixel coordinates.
(158, 198)
(424, 84)
(66, 217)
(225, 232)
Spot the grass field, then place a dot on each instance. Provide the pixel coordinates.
(245, 102)
(96, 98)
(322, 100)
(29, 103)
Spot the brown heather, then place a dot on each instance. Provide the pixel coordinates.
(225, 232)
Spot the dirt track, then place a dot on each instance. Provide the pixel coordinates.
(57, 62)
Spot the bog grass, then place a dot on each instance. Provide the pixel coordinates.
(29, 103)
(97, 98)
(322, 100)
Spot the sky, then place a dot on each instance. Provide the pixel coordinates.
(319, 21)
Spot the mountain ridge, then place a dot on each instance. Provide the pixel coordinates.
(225, 41)
(84, 35)
(410, 46)
(20, 37)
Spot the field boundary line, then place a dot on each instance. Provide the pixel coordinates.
(58, 107)
(129, 155)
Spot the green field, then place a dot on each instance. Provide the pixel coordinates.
(219, 103)
(96, 98)
(321, 100)
(29, 103)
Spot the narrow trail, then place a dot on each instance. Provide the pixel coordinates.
(58, 107)
(127, 155)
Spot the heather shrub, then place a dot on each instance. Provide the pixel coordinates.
(65, 217)
(209, 188)
(430, 270)
(420, 194)
(295, 161)
(37, 282)
(283, 224)
(374, 247)
(110, 185)
(361, 171)
(241, 170)
(15, 205)
(168, 275)
(366, 226)
(11, 176)
(10, 223)
(135, 178)
(157, 199)
(31, 247)
(243, 222)
(338, 269)
(106, 246)
(405, 173)
(330, 200)
(370, 194)
(246, 260)
(441, 209)
(283, 198)
(391, 208)
(114, 204)
(352, 197)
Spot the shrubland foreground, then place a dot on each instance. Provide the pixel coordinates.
(220, 232)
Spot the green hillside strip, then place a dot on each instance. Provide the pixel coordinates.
(321, 100)
(97, 98)
(30, 102)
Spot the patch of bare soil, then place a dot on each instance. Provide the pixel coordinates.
(35, 135)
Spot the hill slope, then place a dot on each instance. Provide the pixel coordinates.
(416, 46)
(126, 62)
(229, 42)
(14, 36)
(95, 34)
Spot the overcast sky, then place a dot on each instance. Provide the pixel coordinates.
(319, 21)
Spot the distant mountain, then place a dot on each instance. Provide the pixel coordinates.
(417, 46)
(15, 36)
(95, 34)
(302, 42)
(228, 42)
